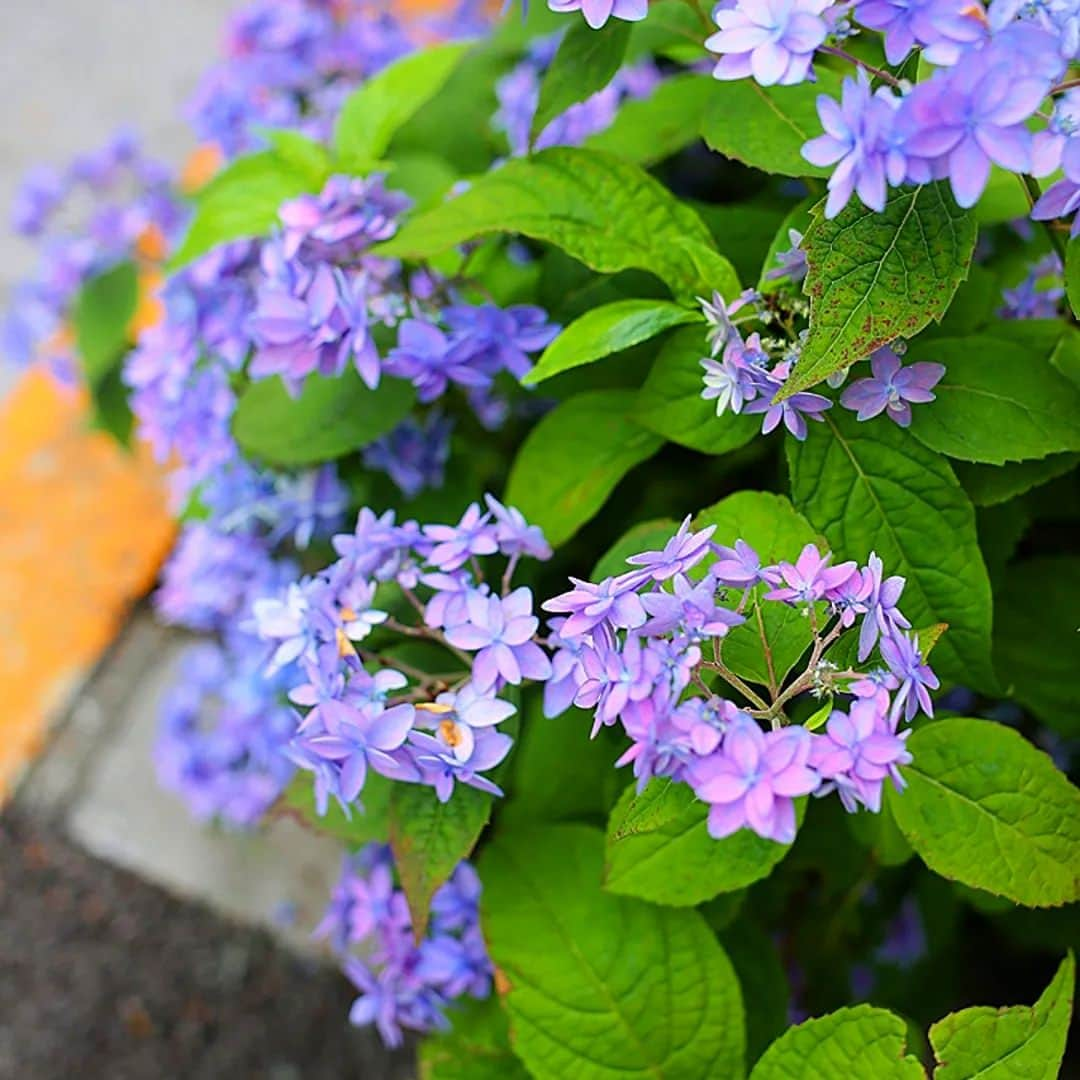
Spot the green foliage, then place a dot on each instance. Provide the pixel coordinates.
(429, 838)
(650, 129)
(101, 319)
(608, 329)
(1017, 1043)
(996, 402)
(861, 484)
(244, 198)
(571, 461)
(990, 485)
(670, 403)
(985, 808)
(606, 213)
(586, 62)
(645, 536)
(477, 1047)
(330, 418)
(659, 849)
(375, 111)
(365, 823)
(766, 126)
(1035, 640)
(581, 1001)
(876, 277)
(860, 1043)
(1072, 274)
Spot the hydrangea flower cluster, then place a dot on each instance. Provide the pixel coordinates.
(992, 70)
(744, 375)
(369, 710)
(403, 983)
(291, 63)
(646, 650)
(597, 12)
(110, 205)
(519, 95)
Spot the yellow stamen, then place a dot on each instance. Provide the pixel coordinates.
(450, 733)
(435, 707)
(348, 615)
(344, 646)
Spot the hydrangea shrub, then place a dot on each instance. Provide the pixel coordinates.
(627, 463)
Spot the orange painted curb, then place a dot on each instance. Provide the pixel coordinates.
(84, 527)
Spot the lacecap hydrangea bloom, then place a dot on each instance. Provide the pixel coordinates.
(645, 650)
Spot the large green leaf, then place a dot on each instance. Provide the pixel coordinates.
(586, 61)
(1036, 645)
(101, 319)
(374, 112)
(996, 402)
(860, 1043)
(243, 200)
(607, 213)
(659, 849)
(987, 809)
(606, 330)
(777, 532)
(989, 485)
(1017, 1043)
(645, 536)
(874, 277)
(871, 487)
(330, 418)
(429, 838)
(571, 461)
(647, 130)
(600, 986)
(670, 401)
(766, 126)
(477, 1046)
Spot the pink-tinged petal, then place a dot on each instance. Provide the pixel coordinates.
(704, 739)
(722, 787)
(533, 662)
(629, 11)
(519, 630)
(759, 804)
(1008, 147)
(518, 604)
(1023, 97)
(783, 822)
(768, 62)
(795, 780)
(725, 819)
(596, 12)
(744, 746)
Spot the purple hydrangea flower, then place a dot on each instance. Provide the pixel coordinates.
(458, 715)
(901, 653)
(441, 766)
(857, 752)
(690, 609)
(497, 339)
(810, 577)
(793, 411)
(597, 12)
(514, 534)
(739, 377)
(892, 388)
(414, 454)
(431, 360)
(614, 679)
(772, 40)
(614, 600)
(881, 600)
(456, 544)
(684, 550)
(740, 567)
(501, 629)
(752, 780)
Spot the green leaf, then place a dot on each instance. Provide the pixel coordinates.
(645, 536)
(305, 156)
(650, 129)
(429, 838)
(745, 233)
(874, 277)
(776, 531)
(477, 1046)
(871, 487)
(602, 986)
(606, 330)
(1018, 1043)
(374, 112)
(996, 402)
(559, 773)
(766, 126)
(101, 319)
(366, 823)
(1035, 640)
(659, 849)
(571, 461)
(110, 411)
(670, 403)
(586, 62)
(331, 417)
(243, 200)
(880, 834)
(989, 485)
(860, 1043)
(606, 213)
(1072, 274)
(985, 808)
